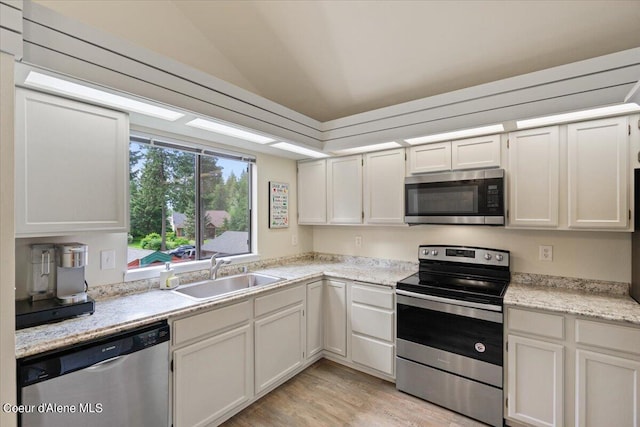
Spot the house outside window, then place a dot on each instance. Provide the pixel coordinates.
(186, 203)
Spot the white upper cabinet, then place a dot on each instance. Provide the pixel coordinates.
(312, 192)
(598, 173)
(72, 164)
(533, 177)
(471, 153)
(344, 190)
(384, 187)
(429, 158)
(476, 153)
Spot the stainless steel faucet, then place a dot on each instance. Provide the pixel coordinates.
(215, 265)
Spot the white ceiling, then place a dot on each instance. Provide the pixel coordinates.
(330, 59)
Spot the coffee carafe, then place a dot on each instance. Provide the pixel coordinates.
(70, 281)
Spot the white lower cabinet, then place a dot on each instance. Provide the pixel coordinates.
(279, 335)
(226, 358)
(335, 317)
(214, 374)
(564, 370)
(279, 346)
(315, 318)
(372, 327)
(607, 390)
(535, 381)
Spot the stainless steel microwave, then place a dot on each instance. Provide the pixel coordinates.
(469, 197)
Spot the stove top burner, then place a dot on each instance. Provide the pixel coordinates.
(464, 273)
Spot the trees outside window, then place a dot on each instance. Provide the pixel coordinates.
(169, 222)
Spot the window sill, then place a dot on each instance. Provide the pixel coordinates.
(184, 267)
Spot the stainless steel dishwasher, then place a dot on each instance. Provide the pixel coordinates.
(121, 380)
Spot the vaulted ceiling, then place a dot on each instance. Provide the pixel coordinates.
(330, 59)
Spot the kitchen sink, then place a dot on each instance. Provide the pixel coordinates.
(225, 285)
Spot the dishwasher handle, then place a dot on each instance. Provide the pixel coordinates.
(107, 364)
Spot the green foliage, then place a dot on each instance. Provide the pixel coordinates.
(153, 241)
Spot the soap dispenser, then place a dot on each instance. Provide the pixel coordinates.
(168, 278)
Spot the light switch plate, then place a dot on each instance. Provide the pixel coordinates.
(108, 259)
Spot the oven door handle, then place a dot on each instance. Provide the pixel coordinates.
(489, 312)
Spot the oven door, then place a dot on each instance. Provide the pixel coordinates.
(455, 198)
(438, 330)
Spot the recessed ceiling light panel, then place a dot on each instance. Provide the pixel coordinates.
(218, 127)
(367, 148)
(65, 87)
(299, 150)
(578, 115)
(484, 130)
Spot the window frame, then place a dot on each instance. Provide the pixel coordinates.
(186, 144)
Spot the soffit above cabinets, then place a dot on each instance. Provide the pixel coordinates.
(55, 42)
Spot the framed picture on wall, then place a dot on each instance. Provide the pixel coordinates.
(278, 204)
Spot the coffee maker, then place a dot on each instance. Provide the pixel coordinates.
(56, 284)
(70, 284)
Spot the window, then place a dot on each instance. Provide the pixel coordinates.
(186, 203)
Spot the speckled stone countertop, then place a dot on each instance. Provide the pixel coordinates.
(598, 300)
(116, 314)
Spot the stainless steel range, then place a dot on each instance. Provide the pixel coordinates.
(450, 326)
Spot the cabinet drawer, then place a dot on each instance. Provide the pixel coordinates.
(211, 322)
(370, 295)
(374, 354)
(613, 337)
(277, 300)
(372, 321)
(542, 324)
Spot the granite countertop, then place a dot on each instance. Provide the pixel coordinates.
(116, 314)
(597, 305)
(598, 300)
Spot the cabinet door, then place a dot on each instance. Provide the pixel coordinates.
(72, 165)
(607, 390)
(315, 327)
(212, 377)
(335, 317)
(475, 153)
(533, 177)
(598, 162)
(344, 190)
(279, 346)
(384, 187)
(535, 382)
(312, 192)
(429, 158)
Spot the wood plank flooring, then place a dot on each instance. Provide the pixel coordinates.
(330, 394)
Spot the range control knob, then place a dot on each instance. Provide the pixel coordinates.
(487, 256)
(499, 257)
(434, 252)
(425, 252)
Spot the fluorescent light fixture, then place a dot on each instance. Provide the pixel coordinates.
(367, 148)
(101, 97)
(300, 150)
(578, 115)
(218, 127)
(484, 130)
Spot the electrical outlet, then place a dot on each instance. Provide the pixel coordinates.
(294, 240)
(358, 241)
(108, 259)
(545, 253)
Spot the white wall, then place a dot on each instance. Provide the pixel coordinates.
(590, 255)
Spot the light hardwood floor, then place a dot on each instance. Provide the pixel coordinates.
(330, 394)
